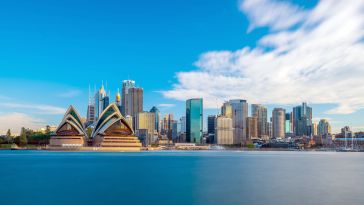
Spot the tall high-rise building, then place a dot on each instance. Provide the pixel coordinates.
(240, 113)
(227, 110)
(146, 120)
(288, 123)
(125, 98)
(183, 124)
(251, 128)
(224, 131)
(211, 124)
(157, 117)
(194, 120)
(270, 129)
(302, 120)
(135, 102)
(260, 112)
(278, 122)
(99, 101)
(175, 130)
(167, 126)
(314, 129)
(324, 127)
(90, 110)
(118, 100)
(105, 102)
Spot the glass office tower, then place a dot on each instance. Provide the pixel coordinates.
(194, 120)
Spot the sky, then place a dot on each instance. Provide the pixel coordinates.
(279, 53)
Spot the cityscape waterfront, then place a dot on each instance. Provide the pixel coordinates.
(182, 102)
(122, 125)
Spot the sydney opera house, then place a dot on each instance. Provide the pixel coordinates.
(110, 133)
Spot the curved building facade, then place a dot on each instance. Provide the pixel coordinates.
(113, 132)
(70, 132)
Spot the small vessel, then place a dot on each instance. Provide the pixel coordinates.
(217, 147)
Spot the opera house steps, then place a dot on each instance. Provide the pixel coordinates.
(113, 133)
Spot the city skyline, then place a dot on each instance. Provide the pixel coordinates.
(40, 63)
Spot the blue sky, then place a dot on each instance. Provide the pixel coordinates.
(52, 50)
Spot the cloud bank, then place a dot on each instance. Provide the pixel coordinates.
(309, 55)
(14, 121)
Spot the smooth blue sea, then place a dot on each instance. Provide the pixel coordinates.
(186, 178)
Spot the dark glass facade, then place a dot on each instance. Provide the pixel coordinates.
(194, 120)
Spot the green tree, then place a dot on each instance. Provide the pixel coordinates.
(89, 132)
(9, 138)
(23, 137)
(8, 133)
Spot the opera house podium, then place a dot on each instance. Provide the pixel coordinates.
(113, 133)
(70, 133)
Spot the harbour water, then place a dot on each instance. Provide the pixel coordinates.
(188, 178)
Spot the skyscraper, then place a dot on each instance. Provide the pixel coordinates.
(125, 92)
(239, 114)
(211, 124)
(118, 100)
(183, 123)
(324, 127)
(314, 129)
(227, 110)
(99, 101)
(167, 126)
(251, 128)
(157, 117)
(260, 112)
(105, 102)
(194, 120)
(288, 123)
(302, 120)
(146, 120)
(135, 102)
(90, 110)
(224, 131)
(278, 121)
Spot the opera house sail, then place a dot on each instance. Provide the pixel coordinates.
(70, 132)
(113, 133)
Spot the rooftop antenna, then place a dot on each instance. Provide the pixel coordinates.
(89, 94)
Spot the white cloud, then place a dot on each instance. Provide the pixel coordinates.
(15, 121)
(319, 61)
(39, 109)
(70, 94)
(275, 14)
(166, 105)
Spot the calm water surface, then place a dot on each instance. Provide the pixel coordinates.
(188, 178)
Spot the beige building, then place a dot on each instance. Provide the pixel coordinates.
(251, 128)
(314, 129)
(146, 120)
(278, 123)
(224, 131)
(260, 112)
(227, 110)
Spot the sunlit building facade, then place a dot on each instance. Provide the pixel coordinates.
(278, 123)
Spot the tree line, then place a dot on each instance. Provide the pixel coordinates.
(27, 137)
